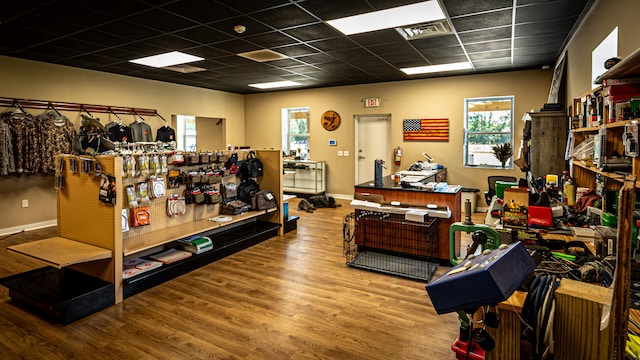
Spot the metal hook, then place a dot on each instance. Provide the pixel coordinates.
(16, 103)
(138, 115)
(116, 115)
(54, 109)
(82, 108)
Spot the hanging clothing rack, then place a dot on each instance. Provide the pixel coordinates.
(67, 106)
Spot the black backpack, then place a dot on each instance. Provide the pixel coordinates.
(251, 167)
(245, 189)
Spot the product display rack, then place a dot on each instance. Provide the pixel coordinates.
(585, 173)
(90, 238)
(305, 176)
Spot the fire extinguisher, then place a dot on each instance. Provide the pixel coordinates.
(397, 155)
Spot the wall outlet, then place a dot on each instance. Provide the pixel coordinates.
(346, 153)
(340, 153)
(25, 203)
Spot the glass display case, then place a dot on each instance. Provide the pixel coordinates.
(304, 176)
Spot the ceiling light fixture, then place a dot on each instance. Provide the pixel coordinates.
(389, 18)
(275, 84)
(167, 59)
(437, 68)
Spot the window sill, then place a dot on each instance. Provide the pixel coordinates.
(488, 167)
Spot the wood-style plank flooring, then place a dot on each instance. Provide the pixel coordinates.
(290, 297)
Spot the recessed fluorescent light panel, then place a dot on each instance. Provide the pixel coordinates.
(436, 68)
(384, 19)
(275, 84)
(168, 59)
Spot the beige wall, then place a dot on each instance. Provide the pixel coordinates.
(601, 20)
(210, 134)
(39, 81)
(429, 98)
(255, 120)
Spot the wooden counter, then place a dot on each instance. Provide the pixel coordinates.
(392, 192)
(579, 308)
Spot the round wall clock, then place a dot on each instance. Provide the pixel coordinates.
(330, 120)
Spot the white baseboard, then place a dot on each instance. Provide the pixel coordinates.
(341, 196)
(28, 227)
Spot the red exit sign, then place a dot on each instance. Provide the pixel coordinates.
(372, 102)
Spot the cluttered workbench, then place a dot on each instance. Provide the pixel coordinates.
(568, 306)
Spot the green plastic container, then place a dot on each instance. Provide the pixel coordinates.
(501, 185)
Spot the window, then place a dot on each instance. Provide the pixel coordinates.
(295, 131)
(186, 132)
(488, 122)
(608, 48)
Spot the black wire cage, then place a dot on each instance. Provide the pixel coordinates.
(390, 244)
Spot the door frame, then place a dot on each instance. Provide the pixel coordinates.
(357, 118)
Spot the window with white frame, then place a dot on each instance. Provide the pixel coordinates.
(186, 132)
(488, 123)
(295, 132)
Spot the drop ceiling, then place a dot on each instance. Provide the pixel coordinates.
(494, 35)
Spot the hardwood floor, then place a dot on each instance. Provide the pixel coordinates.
(290, 297)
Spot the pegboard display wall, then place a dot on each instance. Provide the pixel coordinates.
(81, 216)
(161, 224)
(159, 218)
(87, 216)
(139, 237)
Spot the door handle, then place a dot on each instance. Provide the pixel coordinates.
(360, 157)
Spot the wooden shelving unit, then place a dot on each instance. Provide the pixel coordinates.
(585, 172)
(585, 175)
(629, 67)
(90, 237)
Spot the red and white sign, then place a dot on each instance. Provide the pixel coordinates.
(372, 102)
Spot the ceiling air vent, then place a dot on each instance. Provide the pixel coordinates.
(421, 31)
(185, 69)
(262, 55)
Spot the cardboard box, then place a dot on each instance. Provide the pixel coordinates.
(612, 82)
(515, 210)
(488, 279)
(416, 215)
(622, 89)
(606, 241)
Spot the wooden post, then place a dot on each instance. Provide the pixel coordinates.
(622, 278)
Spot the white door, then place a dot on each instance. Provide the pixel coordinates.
(373, 141)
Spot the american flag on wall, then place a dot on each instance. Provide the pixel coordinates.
(426, 129)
